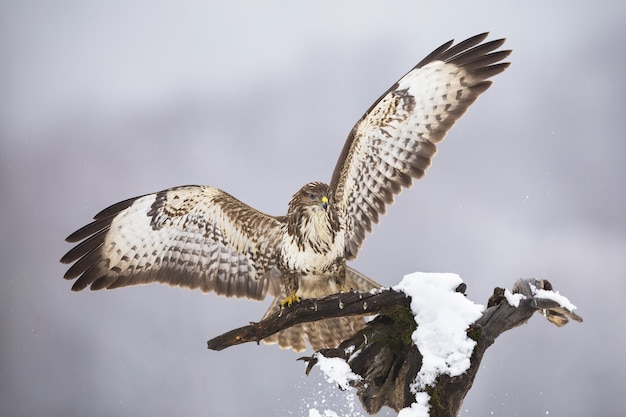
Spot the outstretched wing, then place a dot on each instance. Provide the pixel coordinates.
(192, 236)
(396, 138)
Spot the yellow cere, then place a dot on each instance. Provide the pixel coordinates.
(324, 199)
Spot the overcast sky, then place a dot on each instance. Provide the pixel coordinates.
(102, 102)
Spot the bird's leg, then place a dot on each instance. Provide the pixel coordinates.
(290, 280)
(290, 299)
(341, 278)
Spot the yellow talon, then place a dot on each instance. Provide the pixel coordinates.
(289, 300)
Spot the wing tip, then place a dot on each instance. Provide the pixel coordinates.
(467, 51)
(492, 70)
(81, 233)
(78, 285)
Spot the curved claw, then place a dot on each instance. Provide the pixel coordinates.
(289, 300)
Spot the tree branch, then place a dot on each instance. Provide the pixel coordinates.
(334, 305)
(388, 361)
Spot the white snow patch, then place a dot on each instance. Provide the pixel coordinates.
(554, 296)
(328, 401)
(420, 408)
(513, 299)
(353, 353)
(442, 316)
(336, 370)
(313, 412)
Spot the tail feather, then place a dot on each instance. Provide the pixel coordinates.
(322, 334)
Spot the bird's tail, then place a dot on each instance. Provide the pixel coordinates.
(322, 334)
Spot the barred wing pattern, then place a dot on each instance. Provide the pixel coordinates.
(191, 236)
(396, 138)
(201, 237)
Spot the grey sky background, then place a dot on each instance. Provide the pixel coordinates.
(102, 101)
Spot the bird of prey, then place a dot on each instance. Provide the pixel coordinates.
(202, 237)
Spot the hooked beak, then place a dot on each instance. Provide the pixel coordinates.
(325, 203)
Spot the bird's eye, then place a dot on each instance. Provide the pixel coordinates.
(313, 197)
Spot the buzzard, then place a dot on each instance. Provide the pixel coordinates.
(202, 237)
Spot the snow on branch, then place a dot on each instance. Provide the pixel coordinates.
(421, 352)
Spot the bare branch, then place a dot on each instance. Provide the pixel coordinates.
(388, 361)
(335, 305)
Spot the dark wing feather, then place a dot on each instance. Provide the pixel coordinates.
(396, 138)
(193, 236)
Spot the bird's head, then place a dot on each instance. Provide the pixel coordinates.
(312, 218)
(311, 198)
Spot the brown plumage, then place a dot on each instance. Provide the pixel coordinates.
(201, 237)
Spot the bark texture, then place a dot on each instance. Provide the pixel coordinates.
(388, 360)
